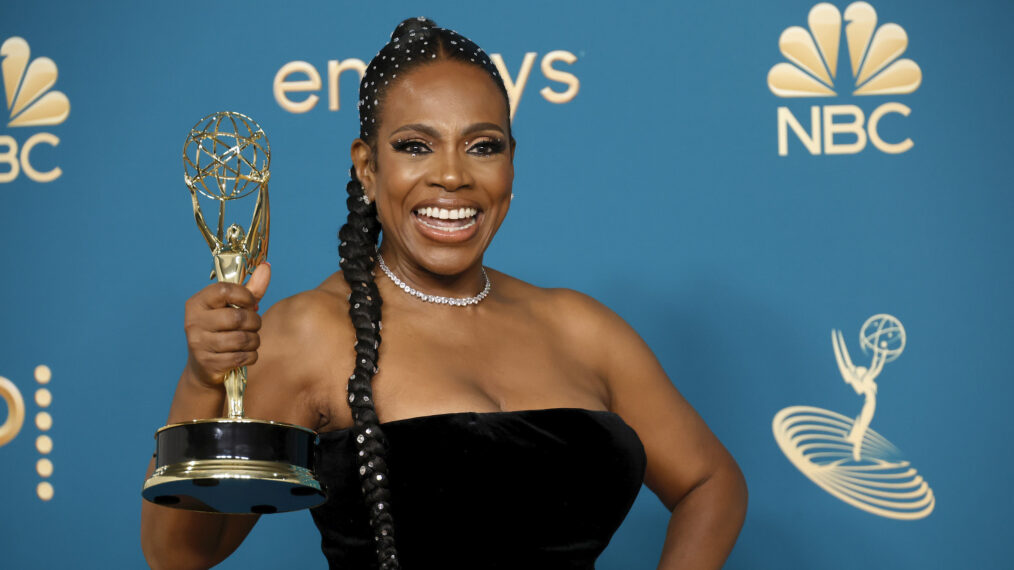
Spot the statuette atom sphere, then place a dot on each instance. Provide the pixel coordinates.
(226, 156)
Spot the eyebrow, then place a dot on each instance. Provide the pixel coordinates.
(430, 131)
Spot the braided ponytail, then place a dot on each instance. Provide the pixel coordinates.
(358, 256)
(415, 42)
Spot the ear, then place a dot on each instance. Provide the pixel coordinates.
(363, 161)
(514, 144)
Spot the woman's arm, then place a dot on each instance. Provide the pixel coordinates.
(688, 468)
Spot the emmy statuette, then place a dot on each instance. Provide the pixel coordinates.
(233, 464)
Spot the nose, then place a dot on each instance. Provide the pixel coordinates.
(450, 171)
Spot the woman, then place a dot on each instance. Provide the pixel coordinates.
(498, 425)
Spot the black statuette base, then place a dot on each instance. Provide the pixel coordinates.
(234, 466)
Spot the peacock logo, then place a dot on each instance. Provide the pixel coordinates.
(873, 53)
(31, 102)
(877, 68)
(28, 85)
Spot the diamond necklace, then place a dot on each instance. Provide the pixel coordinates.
(454, 301)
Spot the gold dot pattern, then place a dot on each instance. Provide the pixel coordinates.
(44, 421)
(43, 397)
(43, 374)
(44, 444)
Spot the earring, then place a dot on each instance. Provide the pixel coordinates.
(366, 199)
(512, 195)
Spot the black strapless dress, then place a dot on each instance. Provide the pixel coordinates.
(528, 489)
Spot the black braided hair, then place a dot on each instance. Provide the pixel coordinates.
(415, 42)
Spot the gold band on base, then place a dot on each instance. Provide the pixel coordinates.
(232, 469)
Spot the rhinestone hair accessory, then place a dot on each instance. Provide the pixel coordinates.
(415, 41)
(453, 301)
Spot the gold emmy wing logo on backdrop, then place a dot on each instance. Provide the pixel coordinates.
(31, 103)
(874, 54)
(845, 456)
(10, 428)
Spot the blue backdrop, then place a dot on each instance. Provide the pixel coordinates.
(658, 188)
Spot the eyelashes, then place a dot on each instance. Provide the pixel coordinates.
(413, 147)
(486, 146)
(489, 146)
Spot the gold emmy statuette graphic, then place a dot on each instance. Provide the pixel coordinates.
(845, 456)
(234, 464)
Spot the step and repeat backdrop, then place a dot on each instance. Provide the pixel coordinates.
(804, 208)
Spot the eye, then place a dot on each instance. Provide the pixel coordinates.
(411, 146)
(487, 147)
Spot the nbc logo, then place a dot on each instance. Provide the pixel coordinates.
(30, 103)
(874, 54)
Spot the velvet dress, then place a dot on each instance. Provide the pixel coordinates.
(529, 489)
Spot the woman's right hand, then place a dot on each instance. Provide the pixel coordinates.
(222, 324)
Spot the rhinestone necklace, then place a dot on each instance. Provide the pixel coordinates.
(454, 301)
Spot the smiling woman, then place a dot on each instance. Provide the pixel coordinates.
(496, 424)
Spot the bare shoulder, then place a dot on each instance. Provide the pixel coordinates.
(310, 314)
(514, 290)
(577, 317)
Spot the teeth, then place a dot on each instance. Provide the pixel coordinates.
(467, 225)
(445, 214)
